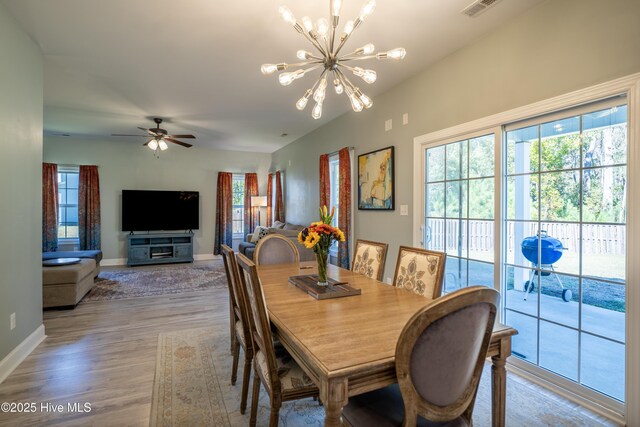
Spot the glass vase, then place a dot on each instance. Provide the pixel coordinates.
(322, 257)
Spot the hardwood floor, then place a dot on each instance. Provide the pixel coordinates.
(104, 353)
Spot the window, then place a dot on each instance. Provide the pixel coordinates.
(238, 206)
(68, 203)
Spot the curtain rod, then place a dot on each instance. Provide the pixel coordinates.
(333, 153)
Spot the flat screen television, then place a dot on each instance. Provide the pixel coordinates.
(144, 210)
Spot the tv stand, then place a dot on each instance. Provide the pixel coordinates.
(161, 248)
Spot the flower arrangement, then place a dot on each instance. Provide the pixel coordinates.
(319, 236)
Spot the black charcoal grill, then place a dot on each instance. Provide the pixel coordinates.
(543, 251)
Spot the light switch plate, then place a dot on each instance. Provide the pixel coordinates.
(405, 118)
(404, 209)
(388, 125)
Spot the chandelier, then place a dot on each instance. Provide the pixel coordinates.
(334, 65)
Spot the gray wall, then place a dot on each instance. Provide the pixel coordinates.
(554, 48)
(126, 164)
(20, 183)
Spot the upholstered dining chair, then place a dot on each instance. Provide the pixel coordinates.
(276, 249)
(420, 271)
(439, 359)
(240, 334)
(369, 258)
(281, 376)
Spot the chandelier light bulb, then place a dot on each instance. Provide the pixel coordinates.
(321, 91)
(303, 54)
(302, 102)
(308, 23)
(356, 104)
(397, 53)
(287, 15)
(348, 27)
(163, 145)
(367, 49)
(338, 86)
(153, 144)
(368, 76)
(322, 27)
(366, 101)
(316, 113)
(268, 69)
(335, 7)
(367, 9)
(287, 78)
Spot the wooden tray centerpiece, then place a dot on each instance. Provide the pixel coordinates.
(335, 289)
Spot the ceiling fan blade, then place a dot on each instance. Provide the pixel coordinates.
(122, 134)
(149, 131)
(181, 136)
(175, 141)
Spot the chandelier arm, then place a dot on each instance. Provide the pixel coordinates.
(346, 81)
(334, 25)
(314, 42)
(356, 24)
(302, 64)
(356, 58)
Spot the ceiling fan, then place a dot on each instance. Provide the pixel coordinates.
(159, 137)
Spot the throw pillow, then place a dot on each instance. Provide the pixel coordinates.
(256, 234)
(263, 232)
(278, 224)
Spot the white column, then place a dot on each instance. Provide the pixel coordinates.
(522, 201)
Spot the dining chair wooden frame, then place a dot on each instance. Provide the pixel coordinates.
(356, 265)
(262, 340)
(439, 360)
(455, 302)
(261, 247)
(240, 332)
(440, 258)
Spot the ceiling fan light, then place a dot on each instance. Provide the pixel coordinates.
(153, 145)
(163, 145)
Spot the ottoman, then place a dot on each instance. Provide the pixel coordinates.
(65, 285)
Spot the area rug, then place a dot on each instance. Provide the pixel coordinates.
(132, 282)
(192, 387)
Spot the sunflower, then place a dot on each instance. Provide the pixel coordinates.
(311, 240)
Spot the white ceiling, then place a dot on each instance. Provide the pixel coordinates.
(111, 65)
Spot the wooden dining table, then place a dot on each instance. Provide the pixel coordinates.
(347, 345)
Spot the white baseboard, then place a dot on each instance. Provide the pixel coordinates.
(18, 354)
(123, 261)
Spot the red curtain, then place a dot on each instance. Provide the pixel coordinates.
(250, 213)
(89, 208)
(325, 182)
(49, 207)
(279, 211)
(224, 212)
(270, 200)
(344, 216)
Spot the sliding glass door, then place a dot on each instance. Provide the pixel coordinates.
(546, 224)
(565, 244)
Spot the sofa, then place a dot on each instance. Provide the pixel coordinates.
(65, 285)
(248, 247)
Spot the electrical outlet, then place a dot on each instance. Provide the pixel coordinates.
(404, 209)
(389, 280)
(12, 321)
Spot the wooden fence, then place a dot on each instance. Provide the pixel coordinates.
(597, 238)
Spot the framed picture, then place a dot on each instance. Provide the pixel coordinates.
(376, 180)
